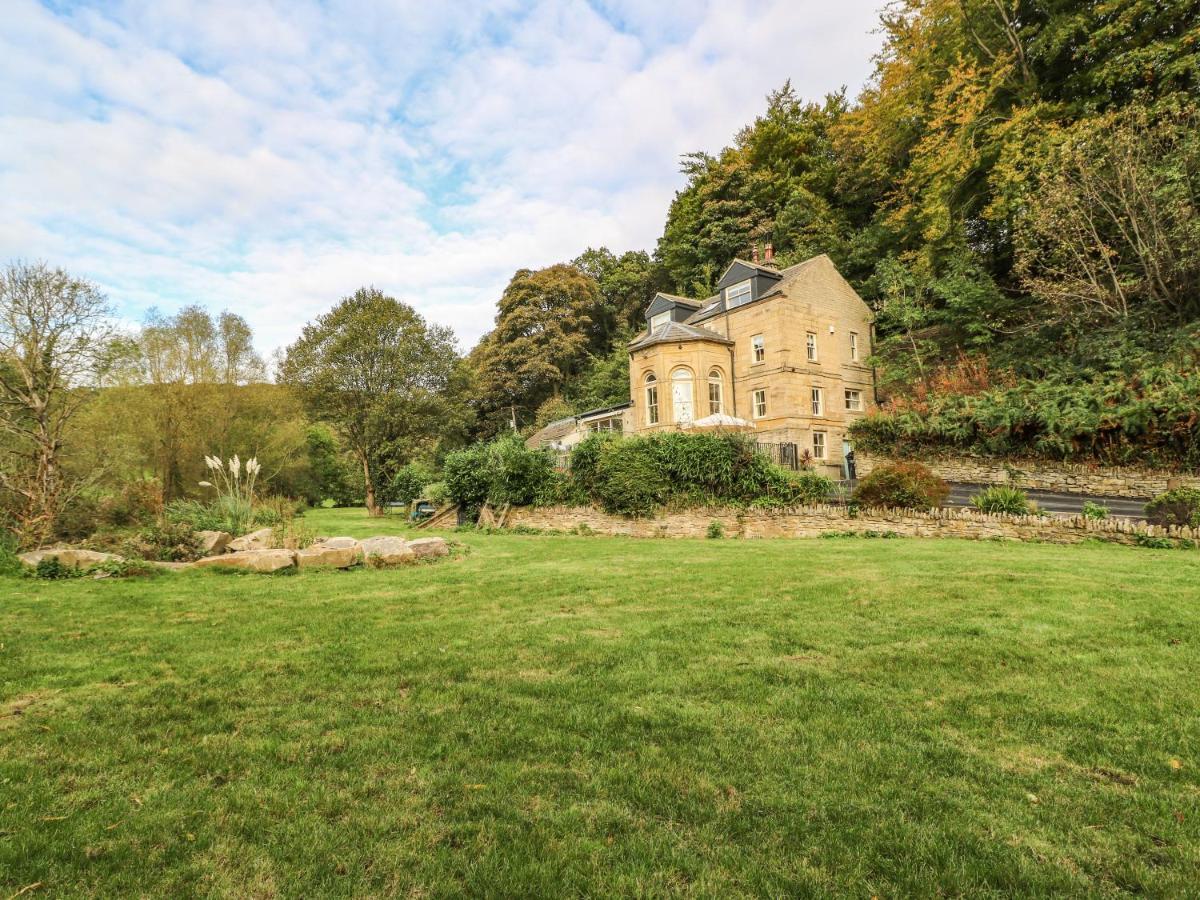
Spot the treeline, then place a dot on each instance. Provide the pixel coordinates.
(1016, 194)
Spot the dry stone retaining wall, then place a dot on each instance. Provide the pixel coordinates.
(812, 521)
(1042, 475)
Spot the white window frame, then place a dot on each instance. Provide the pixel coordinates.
(810, 346)
(853, 400)
(822, 446)
(714, 381)
(818, 402)
(651, 382)
(759, 399)
(660, 319)
(758, 350)
(738, 294)
(854, 346)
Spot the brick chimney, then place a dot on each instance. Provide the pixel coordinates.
(768, 253)
(754, 253)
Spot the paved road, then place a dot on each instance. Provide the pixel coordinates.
(1124, 507)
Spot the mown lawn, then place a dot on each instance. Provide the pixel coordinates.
(554, 715)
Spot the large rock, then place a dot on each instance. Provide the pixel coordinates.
(427, 548)
(70, 557)
(213, 542)
(255, 540)
(337, 553)
(337, 542)
(267, 561)
(387, 551)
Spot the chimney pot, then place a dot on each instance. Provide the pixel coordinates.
(754, 253)
(769, 252)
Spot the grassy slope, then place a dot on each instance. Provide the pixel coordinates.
(548, 714)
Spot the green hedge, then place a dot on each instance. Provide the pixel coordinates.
(629, 476)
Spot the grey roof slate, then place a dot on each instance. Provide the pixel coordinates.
(677, 332)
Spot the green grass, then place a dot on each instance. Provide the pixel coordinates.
(555, 715)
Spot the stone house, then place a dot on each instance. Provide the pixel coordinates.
(779, 353)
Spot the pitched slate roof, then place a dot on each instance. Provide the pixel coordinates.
(677, 332)
(715, 305)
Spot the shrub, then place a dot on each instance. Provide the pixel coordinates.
(716, 530)
(51, 569)
(164, 541)
(275, 510)
(222, 514)
(518, 473)
(138, 502)
(906, 485)
(436, 492)
(504, 471)
(408, 484)
(1092, 510)
(629, 478)
(1178, 507)
(467, 478)
(584, 458)
(635, 476)
(293, 534)
(1002, 498)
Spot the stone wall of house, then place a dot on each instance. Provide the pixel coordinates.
(812, 521)
(1041, 475)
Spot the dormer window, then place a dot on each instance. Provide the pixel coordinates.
(659, 320)
(738, 294)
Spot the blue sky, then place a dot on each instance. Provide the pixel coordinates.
(271, 157)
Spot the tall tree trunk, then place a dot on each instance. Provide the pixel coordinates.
(373, 508)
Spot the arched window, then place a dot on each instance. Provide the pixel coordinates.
(683, 404)
(716, 399)
(651, 399)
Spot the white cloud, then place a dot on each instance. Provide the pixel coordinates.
(272, 157)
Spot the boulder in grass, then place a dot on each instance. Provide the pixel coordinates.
(255, 540)
(387, 551)
(430, 547)
(265, 561)
(337, 542)
(325, 554)
(70, 557)
(213, 542)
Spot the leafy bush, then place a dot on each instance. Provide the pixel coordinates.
(504, 471)
(138, 502)
(635, 476)
(408, 484)
(1002, 498)
(164, 541)
(906, 485)
(716, 530)
(630, 478)
(436, 492)
(1178, 507)
(1093, 510)
(52, 570)
(518, 473)
(584, 458)
(467, 477)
